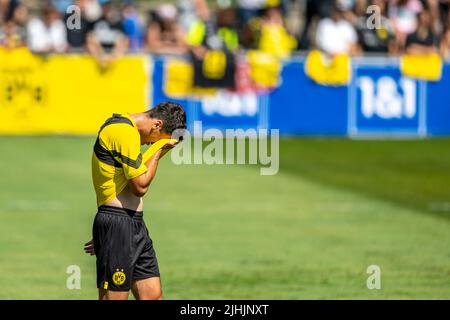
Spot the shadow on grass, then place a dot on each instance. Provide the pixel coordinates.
(411, 173)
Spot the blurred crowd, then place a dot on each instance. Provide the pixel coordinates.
(107, 29)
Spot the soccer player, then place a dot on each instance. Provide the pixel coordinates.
(121, 243)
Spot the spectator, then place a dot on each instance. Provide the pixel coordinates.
(133, 26)
(403, 14)
(212, 44)
(249, 9)
(274, 38)
(335, 35)
(445, 43)
(209, 33)
(348, 8)
(360, 6)
(49, 34)
(314, 9)
(77, 34)
(94, 9)
(61, 5)
(164, 34)
(380, 38)
(187, 12)
(12, 30)
(227, 25)
(5, 9)
(444, 12)
(433, 8)
(112, 32)
(423, 40)
(106, 39)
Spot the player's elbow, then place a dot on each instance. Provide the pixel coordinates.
(139, 191)
(138, 187)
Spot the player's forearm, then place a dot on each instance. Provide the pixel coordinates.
(139, 185)
(152, 166)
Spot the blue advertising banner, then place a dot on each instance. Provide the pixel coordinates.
(302, 107)
(378, 102)
(227, 110)
(222, 110)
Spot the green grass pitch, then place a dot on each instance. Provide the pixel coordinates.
(225, 232)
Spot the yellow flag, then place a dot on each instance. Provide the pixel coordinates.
(178, 78)
(325, 70)
(276, 41)
(214, 64)
(265, 68)
(424, 67)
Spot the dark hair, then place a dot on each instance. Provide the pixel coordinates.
(11, 8)
(172, 115)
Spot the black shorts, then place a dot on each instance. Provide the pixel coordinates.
(123, 248)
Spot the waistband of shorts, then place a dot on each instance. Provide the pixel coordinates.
(120, 211)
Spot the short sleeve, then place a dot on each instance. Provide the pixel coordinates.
(126, 149)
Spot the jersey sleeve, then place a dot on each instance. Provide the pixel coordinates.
(126, 149)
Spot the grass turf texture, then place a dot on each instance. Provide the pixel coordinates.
(335, 207)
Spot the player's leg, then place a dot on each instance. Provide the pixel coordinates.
(147, 289)
(112, 295)
(112, 234)
(146, 283)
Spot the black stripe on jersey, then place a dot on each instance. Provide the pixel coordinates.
(105, 155)
(129, 162)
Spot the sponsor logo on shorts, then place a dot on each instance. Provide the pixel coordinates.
(119, 277)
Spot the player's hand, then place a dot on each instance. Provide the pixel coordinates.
(89, 248)
(170, 145)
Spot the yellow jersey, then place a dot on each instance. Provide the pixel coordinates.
(116, 158)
